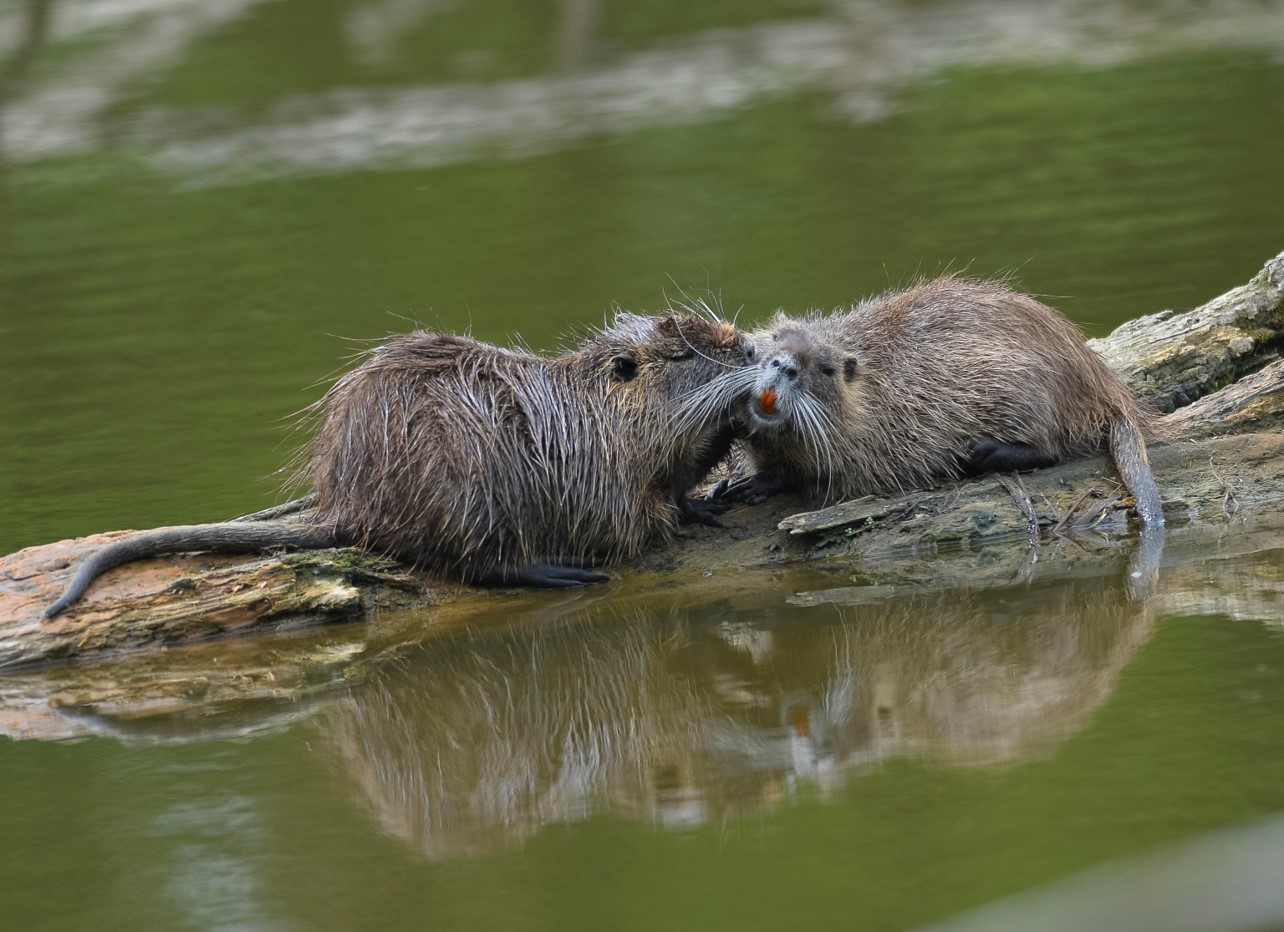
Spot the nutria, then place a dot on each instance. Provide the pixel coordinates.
(499, 466)
(949, 378)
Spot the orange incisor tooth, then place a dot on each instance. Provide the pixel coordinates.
(767, 401)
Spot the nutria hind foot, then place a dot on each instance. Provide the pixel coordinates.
(747, 490)
(987, 455)
(569, 573)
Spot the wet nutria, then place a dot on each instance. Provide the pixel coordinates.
(498, 466)
(948, 378)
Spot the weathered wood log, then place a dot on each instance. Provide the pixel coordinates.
(190, 598)
(1253, 403)
(238, 687)
(1172, 358)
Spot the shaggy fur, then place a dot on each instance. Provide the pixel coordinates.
(914, 387)
(464, 457)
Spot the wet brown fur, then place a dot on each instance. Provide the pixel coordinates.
(918, 375)
(463, 457)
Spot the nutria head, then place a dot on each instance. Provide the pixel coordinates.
(803, 380)
(666, 366)
(646, 348)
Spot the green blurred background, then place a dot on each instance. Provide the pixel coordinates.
(203, 206)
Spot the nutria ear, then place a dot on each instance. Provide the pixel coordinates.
(624, 368)
(668, 327)
(849, 369)
(676, 344)
(632, 327)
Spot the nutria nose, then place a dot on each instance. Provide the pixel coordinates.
(787, 365)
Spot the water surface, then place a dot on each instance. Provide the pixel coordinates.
(206, 207)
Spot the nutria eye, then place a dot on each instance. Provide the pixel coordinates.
(827, 370)
(624, 368)
(849, 369)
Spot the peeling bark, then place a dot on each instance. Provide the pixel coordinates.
(1173, 359)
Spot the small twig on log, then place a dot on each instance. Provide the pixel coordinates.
(1101, 510)
(1230, 504)
(1020, 498)
(295, 508)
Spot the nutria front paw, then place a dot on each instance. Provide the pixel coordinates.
(747, 490)
(701, 511)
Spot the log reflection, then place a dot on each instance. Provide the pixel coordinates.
(672, 716)
(34, 34)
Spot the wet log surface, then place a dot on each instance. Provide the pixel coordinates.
(1218, 365)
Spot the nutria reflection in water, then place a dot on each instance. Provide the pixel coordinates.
(479, 739)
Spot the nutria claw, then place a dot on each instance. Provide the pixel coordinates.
(701, 511)
(747, 490)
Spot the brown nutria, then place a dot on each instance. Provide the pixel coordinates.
(949, 378)
(498, 466)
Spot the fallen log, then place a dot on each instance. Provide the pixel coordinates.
(240, 687)
(1174, 359)
(1217, 366)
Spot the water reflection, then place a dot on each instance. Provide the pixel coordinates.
(1227, 880)
(589, 82)
(30, 34)
(474, 742)
(217, 850)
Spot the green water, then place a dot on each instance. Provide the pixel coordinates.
(202, 216)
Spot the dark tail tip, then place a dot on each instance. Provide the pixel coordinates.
(75, 589)
(56, 608)
(86, 574)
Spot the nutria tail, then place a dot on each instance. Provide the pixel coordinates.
(1128, 447)
(219, 538)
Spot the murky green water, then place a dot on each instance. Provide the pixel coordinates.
(203, 205)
